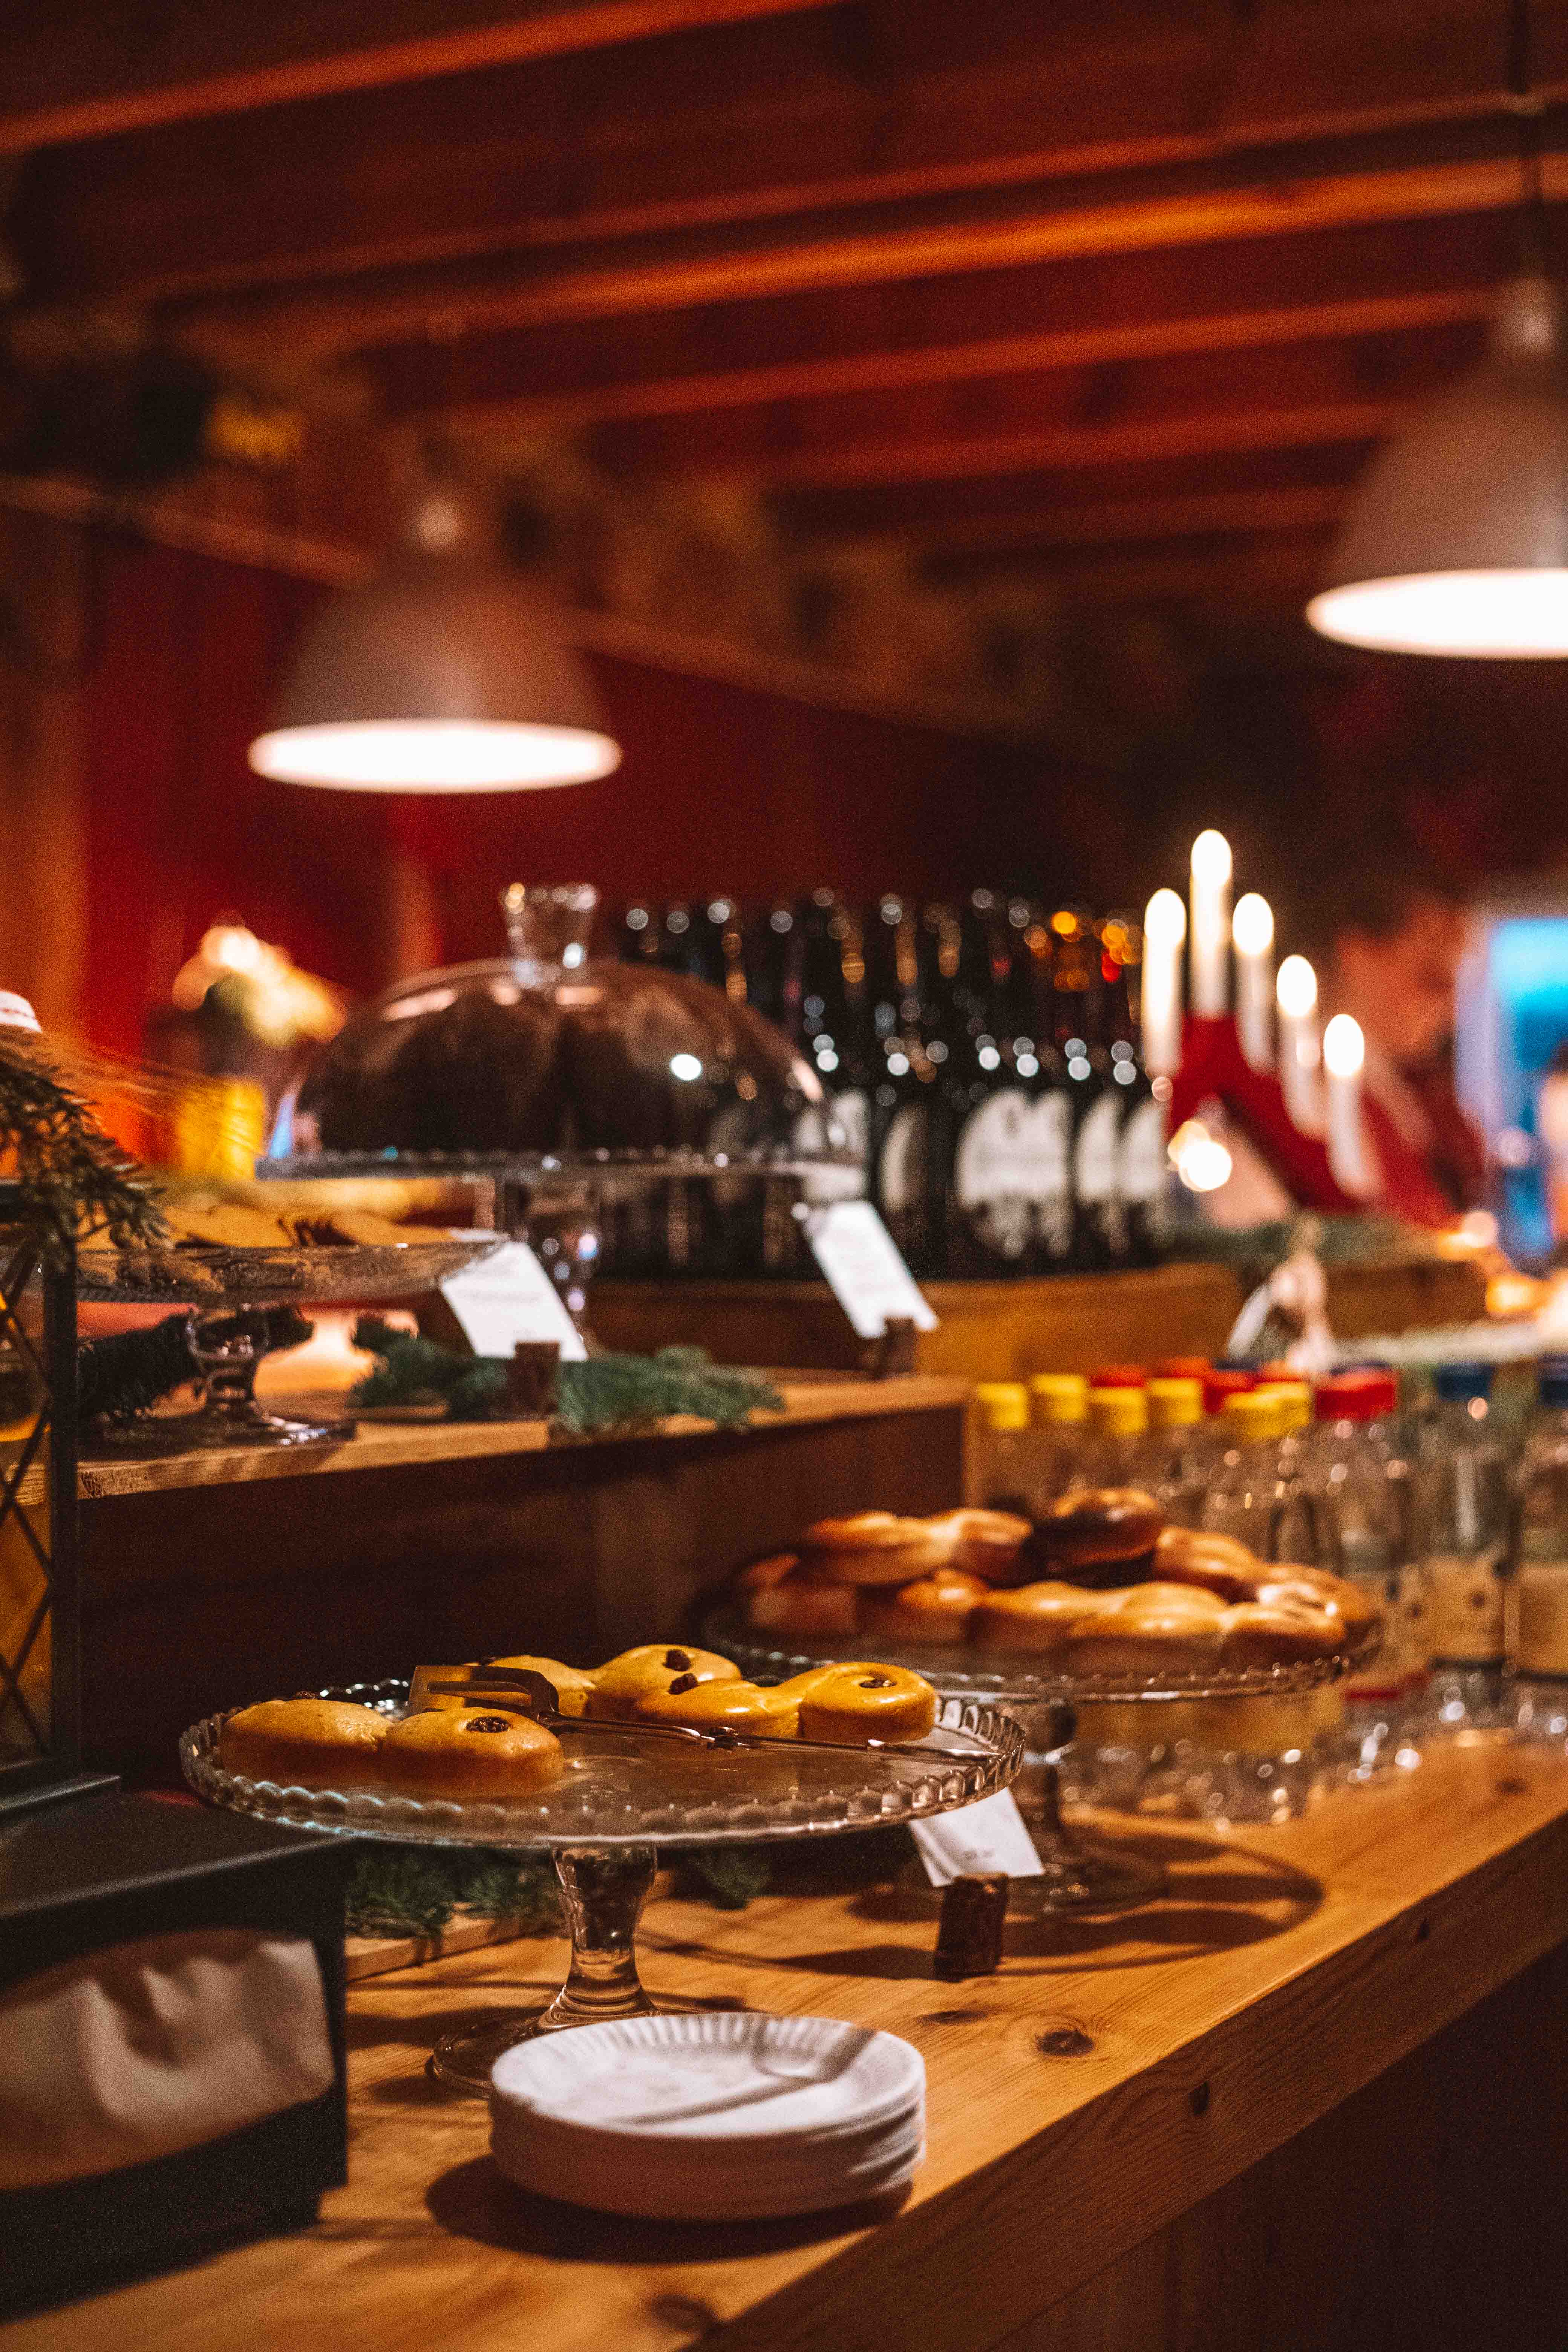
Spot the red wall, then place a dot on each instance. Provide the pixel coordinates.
(721, 789)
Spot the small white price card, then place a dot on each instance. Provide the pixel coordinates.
(508, 1296)
(866, 1276)
(976, 1841)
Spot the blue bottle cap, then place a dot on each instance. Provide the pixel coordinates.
(1459, 1383)
(1554, 1383)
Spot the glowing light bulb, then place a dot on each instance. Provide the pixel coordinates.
(1211, 857)
(1210, 895)
(1252, 925)
(1165, 921)
(1296, 988)
(1344, 1047)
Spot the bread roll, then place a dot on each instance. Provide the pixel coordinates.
(1033, 1617)
(1148, 1631)
(305, 1743)
(987, 1544)
(1097, 1526)
(1218, 1563)
(874, 1547)
(934, 1610)
(710, 1706)
(618, 1686)
(1277, 1634)
(801, 1611)
(474, 1754)
(859, 1702)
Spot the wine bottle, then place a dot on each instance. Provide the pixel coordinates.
(1096, 1121)
(1144, 1170)
(904, 1102)
(988, 1128)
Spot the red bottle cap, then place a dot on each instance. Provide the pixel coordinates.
(1355, 1396)
(1219, 1384)
(1117, 1376)
(1181, 1368)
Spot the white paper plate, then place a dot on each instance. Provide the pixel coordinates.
(725, 2117)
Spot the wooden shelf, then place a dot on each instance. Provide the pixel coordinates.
(397, 1445)
(1082, 2106)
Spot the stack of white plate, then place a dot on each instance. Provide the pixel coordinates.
(722, 2118)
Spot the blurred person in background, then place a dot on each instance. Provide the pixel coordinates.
(1386, 931)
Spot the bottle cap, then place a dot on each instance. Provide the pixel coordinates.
(1252, 1416)
(1004, 1404)
(1355, 1396)
(1174, 1403)
(1220, 1383)
(1056, 1397)
(1462, 1383)
(1117, 1412)
(1555, 1381)
(1181, 1368)
(1293, 1400)
(1117, 1376)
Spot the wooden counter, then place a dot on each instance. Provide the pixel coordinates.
(210, 1579)
(1005, 1330)
(1313, 2100)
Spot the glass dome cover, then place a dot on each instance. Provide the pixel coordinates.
(549, 1050)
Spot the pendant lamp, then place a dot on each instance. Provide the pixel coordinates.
(1458, 541)
(441, 675)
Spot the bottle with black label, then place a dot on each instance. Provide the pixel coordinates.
(1084, 1061)
(1144, 1172)
(905, 1123)
(989, 1124)
(834, 1038)
(1026, 1024)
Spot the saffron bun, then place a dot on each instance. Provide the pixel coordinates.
(798, 1609)
(1035, 1617)
(1219, 1563)
(470, 1753)
(856, 1702)
(306, 1743)
(874, 1547)
(934, 1608)
(1277, 1634)
(1355, 1610)
(618, 1686)
(1147, 1631)
(772, 1713)
(1097, 1526)
(984, 1543)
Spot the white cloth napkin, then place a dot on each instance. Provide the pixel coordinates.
(146, 2048)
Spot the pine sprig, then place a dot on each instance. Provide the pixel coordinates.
(602, 1392)
(73, 1179)
(405, 1890)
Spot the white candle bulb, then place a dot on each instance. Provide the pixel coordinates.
(1252, 936)
(1210, 896)
(1164, 932)
(1344, 1051)
(1295, 994)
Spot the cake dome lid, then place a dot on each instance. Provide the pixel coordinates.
(553, 1050)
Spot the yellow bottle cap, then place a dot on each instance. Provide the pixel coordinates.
(1252, 1417)
(1004, 1404)
(1174, 1403)
(1117, 1412)
(1058, 1397)
(1293, 1400)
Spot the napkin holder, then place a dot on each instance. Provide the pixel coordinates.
(87, 1889)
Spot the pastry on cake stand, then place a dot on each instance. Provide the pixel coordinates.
(626, 1790)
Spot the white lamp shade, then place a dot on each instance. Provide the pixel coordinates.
(1458, 543)
(441, 675)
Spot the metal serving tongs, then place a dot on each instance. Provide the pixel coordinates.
(524, 1692)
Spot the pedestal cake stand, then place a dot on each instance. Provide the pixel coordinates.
(624, 1793)
(1075, 1874)
(233, 1295)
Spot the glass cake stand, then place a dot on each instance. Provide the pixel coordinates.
(624, 1793)
(234, 1295)
(1077, 1874)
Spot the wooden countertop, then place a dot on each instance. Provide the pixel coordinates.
(379, 1445)
(1110, 2076)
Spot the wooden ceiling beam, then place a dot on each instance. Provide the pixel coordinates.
(855, 249)
(1022, 541)
(813, 438)
(91, 72)
(769, 116)
(955, 511)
